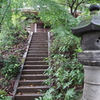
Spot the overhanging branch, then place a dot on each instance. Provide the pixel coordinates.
(8, 5)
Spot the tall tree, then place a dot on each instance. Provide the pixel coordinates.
(75, 5)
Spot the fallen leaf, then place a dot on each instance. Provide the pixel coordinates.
(31, 85)
(20, 93)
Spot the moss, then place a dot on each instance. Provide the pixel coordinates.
(85, 22)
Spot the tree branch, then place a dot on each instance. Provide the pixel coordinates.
(9, 2)
(72, 5)
(77, 5)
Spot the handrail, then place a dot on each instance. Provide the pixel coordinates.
(49, 53)
(21, 69)
(49, 56)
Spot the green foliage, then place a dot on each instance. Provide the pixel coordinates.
(11, 30)
(52, 13)
(11, 67)
(65, 71)
(12, 35)
(3, 95)
(66, 75)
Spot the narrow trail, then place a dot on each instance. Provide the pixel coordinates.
(30, 83)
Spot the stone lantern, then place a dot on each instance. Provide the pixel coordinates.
(89, 31)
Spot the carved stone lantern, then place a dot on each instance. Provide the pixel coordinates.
(89, 30)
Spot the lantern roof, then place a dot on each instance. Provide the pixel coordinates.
(89, 23)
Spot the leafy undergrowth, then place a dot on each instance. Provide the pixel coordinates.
(66, 73)
(10, 61)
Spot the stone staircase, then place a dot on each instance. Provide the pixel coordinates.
(31, 80)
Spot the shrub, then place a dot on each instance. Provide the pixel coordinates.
(11, 66)
(2, 94)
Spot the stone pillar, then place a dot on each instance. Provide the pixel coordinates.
(89, 30)
(91, 62)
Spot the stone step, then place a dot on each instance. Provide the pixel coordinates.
(40, 35)
(36, 52)
(27, 96)
(37, 37)
(38, 46)
(35, 58)
(36, 63)
(38, 49)
(33, 77)
(32, 89)
(44, 43)
(42, 40)
(31, 82)
(36, 66)
(37, 55)
(33, 71)
(38, 40)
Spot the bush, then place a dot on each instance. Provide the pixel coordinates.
(11, 67)
(2, 94)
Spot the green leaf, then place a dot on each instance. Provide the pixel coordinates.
(67, 84)
(70, 94)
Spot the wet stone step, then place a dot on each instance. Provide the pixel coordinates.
(38, 46)
(35, 58)
(32, 89)
(31, 83)
(42, 49)
(33, 77)
(34, 71)
(38, 50)
(39, 37)
(36, 66)
(27, 96)
(39, 41)
(37, 55)
(42, 44)
(39, 34)
(36, 63)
